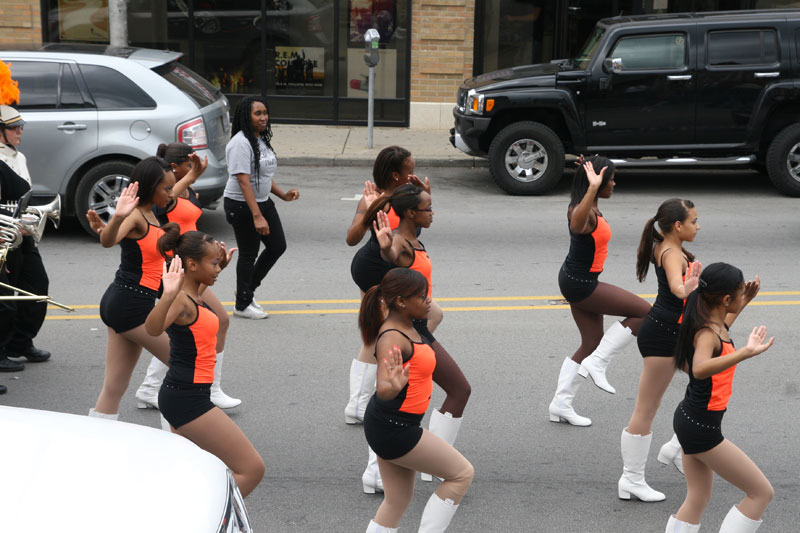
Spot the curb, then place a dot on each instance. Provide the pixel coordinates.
(368, 161)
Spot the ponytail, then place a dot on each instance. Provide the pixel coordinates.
(189, 245)
(402, 199)
(645, 253)
(717, 281)
(370, 316)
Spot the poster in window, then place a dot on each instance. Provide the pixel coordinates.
(358, 74)
(299, 69)
(366, 14)
(83, 20)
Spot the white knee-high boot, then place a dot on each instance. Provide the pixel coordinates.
(437, 515)
(219, 398)
(672, 453)
(615, 339)
(374, 527)
(676, 526)
(362, 387)
(561, 407)
(635, 449)
(95, 414)
(371, 478)
(736, 522)
(147, 393)
(444, 426)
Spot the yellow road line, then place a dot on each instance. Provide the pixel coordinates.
(452, 309)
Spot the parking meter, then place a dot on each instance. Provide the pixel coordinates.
(371, 42)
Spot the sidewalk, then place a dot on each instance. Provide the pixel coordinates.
(298, 145)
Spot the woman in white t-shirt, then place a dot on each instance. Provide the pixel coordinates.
(248, 206)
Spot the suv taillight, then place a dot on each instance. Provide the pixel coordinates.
(193, 133)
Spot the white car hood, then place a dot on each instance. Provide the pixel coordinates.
(62, 472)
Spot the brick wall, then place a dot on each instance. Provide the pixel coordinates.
(20, 22)
(441, 48)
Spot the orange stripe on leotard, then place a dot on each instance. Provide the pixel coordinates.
(394, 220)
(420, 379)
(722, 383)
(205, 330)
(422, 264)
(185, 214)
(601, 236)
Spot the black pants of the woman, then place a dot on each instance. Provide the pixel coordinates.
(252, 268)
(27, 272)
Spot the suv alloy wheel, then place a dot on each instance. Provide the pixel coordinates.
(100, 188)
(526, 158)
(783, 160)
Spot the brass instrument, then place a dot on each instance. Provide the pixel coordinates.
(31, 221)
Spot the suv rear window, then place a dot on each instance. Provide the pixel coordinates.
(113, 90)
(189, 82)
(751, 47)
(38, 83)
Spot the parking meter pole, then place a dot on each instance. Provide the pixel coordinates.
(370, 106)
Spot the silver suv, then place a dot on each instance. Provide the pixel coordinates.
(92, 112)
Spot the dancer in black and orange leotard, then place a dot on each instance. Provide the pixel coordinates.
(394, 166)
(589, 299)
(132, 295)
(404, 249)
(706, 352)
(677, 278)
(185, 210)
(191, 324)
(406, 364)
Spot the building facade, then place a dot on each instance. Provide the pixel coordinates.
(306, 56)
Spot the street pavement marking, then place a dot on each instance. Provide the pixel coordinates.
(556, 303)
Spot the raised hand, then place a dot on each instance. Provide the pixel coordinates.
(751, 288)
(95, 222)
(397, 373)
(692, 277)
(593, 178)
(172, 277)
(291, 195)
(225, 255)
(370, 193)
(127, 200)
(383, 231)
(756, 344)
(198, 165)
(426, 185)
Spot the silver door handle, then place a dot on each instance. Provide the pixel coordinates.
(767, 74)
(71, 127)
(679, 78)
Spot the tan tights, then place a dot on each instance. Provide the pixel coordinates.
(432, 455)
(732, 465)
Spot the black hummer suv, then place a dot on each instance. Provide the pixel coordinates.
(660, 90)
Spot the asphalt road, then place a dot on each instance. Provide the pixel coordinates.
(495, 259)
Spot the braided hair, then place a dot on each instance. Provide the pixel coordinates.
(244, 123)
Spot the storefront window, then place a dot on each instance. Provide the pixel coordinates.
(517, 32)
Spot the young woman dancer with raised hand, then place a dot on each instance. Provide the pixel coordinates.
(247, 203)
(185, 210)
(406, 364)
(706, 352)
(403, 248)
(129, 299)
(589, 299)
(185, 396)
(394, 166)
(677, 278)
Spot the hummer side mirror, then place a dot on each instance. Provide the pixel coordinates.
(612, 65)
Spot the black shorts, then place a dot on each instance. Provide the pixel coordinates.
(368, 267)
(576, 288)
(697, 430)
(180, 404)
(124, 306)
(656, 337)
(390, 435)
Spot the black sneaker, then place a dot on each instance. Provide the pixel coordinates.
(7, 365)
(3, 389)
(31, 353)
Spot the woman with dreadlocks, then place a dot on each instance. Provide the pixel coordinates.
(248, 206)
